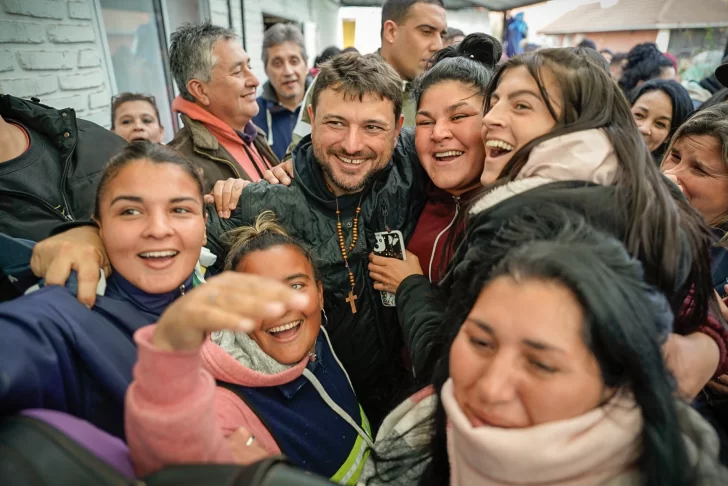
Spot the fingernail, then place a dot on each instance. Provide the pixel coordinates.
(227, 214)
(219, 213)
(275, 308)
(232, 206)
(287, 180)
(246, 325)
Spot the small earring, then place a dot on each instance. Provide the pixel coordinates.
(326, 319)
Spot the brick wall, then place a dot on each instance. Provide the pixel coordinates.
(51, 49)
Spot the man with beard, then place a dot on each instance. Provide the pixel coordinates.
(352, 179)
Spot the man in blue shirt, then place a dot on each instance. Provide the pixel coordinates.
(284, 59)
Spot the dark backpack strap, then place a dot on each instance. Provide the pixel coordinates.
(35, 453)
(238, 392)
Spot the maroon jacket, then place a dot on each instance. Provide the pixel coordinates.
(433, 231)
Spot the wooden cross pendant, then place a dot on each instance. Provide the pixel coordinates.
(351, 300)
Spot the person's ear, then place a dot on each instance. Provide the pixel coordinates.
(389, 32)
(97, 220)
(310, 113)
(198, 90)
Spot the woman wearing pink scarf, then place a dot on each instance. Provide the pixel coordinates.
(555, 375)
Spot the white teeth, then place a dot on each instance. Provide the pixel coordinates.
(351, 161)
(500, 144)
(451, 153)
(284, 327)
(158, 254)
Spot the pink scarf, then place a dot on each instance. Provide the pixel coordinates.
(587, 450)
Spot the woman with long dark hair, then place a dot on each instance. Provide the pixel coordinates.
(659, 107)
(557, 128)
(553, 372)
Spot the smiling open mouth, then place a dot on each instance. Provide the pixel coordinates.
(156, 255)
(448, 156)
(350, 161)
(498, 147)
(286, 330)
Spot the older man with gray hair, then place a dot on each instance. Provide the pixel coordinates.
(217, 104)
(284, 60)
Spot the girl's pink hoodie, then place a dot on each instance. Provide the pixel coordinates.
(160, 431)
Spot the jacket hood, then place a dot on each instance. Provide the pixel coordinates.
(232, 358)
(218, 127)
(586, 155)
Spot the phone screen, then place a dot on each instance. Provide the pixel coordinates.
(390, 244)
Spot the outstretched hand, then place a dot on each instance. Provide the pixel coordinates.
(231, 300)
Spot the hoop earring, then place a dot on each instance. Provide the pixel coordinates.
(326, 319)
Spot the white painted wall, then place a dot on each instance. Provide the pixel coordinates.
(52, 50)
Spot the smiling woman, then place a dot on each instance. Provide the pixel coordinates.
(60, 354)
(281, 387)
(554, 346)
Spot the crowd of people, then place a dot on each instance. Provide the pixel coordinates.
(429, 265)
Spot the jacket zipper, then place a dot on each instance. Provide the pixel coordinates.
(434, 247)
(43, 202)
(223, 161)
(69, 216)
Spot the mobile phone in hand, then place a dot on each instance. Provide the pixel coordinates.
(390, 244)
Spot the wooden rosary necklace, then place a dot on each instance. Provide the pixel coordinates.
(342, 245)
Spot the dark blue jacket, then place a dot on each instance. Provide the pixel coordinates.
(57, 354)
(276, 120)
(719, 264)
(306, 428)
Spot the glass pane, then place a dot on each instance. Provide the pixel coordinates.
(183, 11)
(132, 30)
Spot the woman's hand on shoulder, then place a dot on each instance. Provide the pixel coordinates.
(231, 300)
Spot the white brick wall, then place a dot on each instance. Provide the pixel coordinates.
(50, 49)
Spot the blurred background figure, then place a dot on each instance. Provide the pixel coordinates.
(516, 31)
(645, 62)
(285, 62)
(452, 36)
(607, 54)
(588, 43)
(135, 116)
(616, 65)
(327, 54)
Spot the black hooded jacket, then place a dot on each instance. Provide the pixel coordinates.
(420, 305)
(369, 342)
(84, 150)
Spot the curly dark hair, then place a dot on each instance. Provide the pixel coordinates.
(644, 62)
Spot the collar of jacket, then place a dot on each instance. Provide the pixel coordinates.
(58, 125)
(203, 139)
(119, 288)
(309, 177)
(271, 97)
